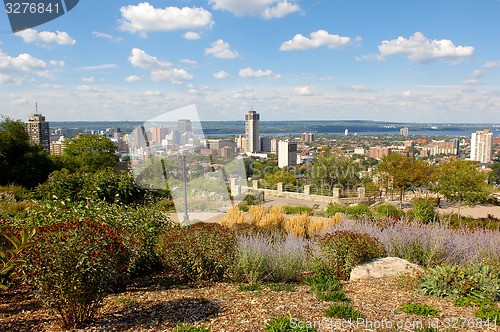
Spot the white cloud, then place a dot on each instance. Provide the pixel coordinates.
(132, 78)
(318, 38)
(56, 63)
(264, 8)
(88, 79)
(99, 67)
(9, 79)
(88, 88)
(221, 49)
(191, 35)
(45, 37)
(141, 59)
(160, 70)
(492, 64)
(51, 86)
(250, 73)
(421, 50)
(22, 63)
(106, 36)
(220, 75)
(471, 82)
(303, 91)
(478, 73)
(150, 93)
(145, 18)
(189, 62)
(357, 87)
(407, 93)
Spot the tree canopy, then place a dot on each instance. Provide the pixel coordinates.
(20, 161)
(400, 172)
(462, 182)
(332, 170)
(89, 153)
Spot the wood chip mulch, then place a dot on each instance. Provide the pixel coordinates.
(147, 306)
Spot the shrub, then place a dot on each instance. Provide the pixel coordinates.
(287, 323)
(489, 313)
(257, 214)
(343, 311)
(281, 287)
(260, 257)
(419, 309)
(326, 285)
(341, 251)
(249, 287)
(190, 328)
(199, 252)
(356, 212)
(423, 211)
(74, 266)
(480, 281)
(297, 210)
(387, 211)
(9, 255)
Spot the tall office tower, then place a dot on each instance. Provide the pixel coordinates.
(404, 131)
(158, 134)
(252, 131)
(184, 126)
(287, 154)
(481, 146)
(38, 131)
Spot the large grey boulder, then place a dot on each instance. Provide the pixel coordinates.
(383, 267)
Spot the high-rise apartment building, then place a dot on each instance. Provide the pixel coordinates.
(287, 154)
(252, 119)
(481, 146)
(38, 131)
(404, 131)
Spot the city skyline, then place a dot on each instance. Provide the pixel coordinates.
(291, 60)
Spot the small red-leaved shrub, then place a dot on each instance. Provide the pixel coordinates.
(73, 266)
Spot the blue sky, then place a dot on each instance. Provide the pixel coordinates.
(387, 60)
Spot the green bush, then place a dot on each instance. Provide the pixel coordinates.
(74, 266)
(420, 309)
(297, 210)
(190, 328)
(423, 211)
(415, 252)
(343, 311)
(480, 281)
(385, 211)
(356, 212)
(199, 252)
(490, 313)
(341, 251)
(326, 285)
(288, 323)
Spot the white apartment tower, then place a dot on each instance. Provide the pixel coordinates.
(481, 146)
(38, 131)
(287, 154)
(252, 132)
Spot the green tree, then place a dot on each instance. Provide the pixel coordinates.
(462, 182)
(401, 173)
(20, 161)
(332, 170)
(89, 153)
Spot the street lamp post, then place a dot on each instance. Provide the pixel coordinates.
(184, 180)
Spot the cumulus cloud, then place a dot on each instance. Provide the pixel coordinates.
(22, 63)
(478, 73)
(45, 37)
(132, 78)
(159, 70)
(191, 35)
(264, 8)
(221, 49)
(303, 91)
(189, 62)
(471, 82)
(358, 88)
(250, 73)
(143, 18)
(88, 88)
(420, 49)
(151, 93)
(106, 36)
(220, 75)
(88, 79)
(317, 39)
(141, 59)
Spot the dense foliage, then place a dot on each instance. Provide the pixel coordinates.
(199, 252)
(89, 153)
(74, 266)
(341, 251)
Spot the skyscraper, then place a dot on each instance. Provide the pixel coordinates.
(38, 131)
(184, 126)
(287, 154)
(252, 132)
(481, 146)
